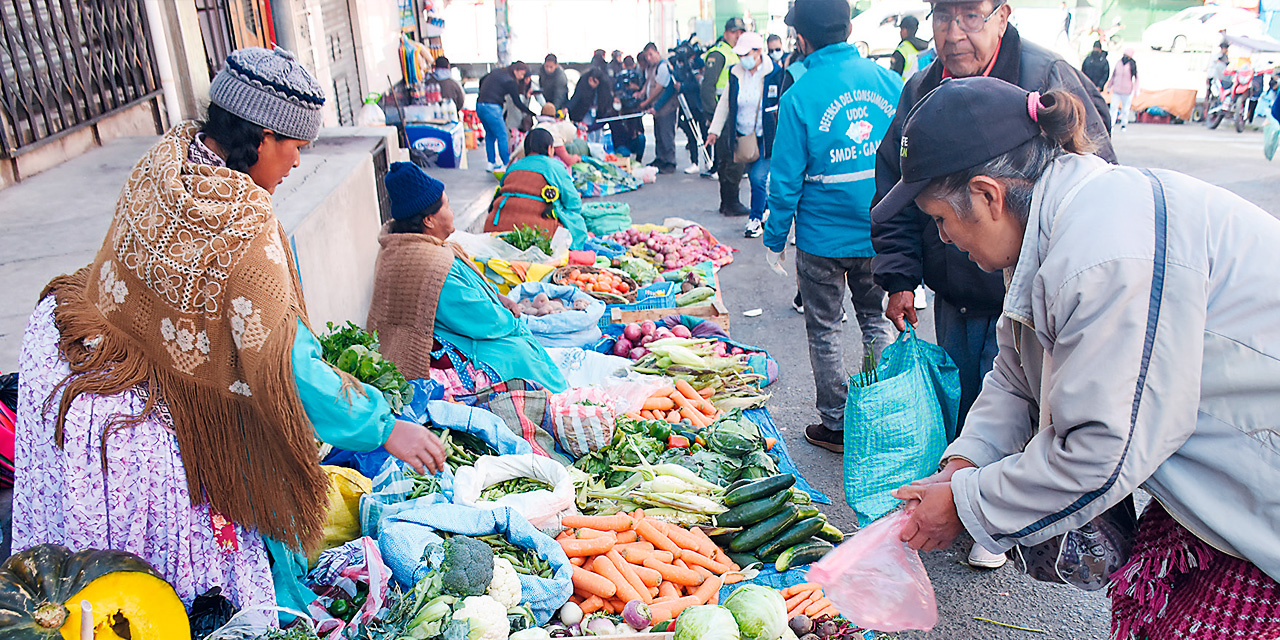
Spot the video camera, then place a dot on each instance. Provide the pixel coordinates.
(686, 60)
(625, 84)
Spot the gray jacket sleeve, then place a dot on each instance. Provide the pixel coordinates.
(1112, 418)
(1004, 416)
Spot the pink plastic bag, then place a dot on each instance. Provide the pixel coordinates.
(876, 581)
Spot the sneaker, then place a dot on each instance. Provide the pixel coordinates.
(979, 557)
(823, 437)
(754, 229)
(797, 303)
(921, 303)
(499, 168)
(691, 169)
(710, 175)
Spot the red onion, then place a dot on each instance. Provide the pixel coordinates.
(622, 347)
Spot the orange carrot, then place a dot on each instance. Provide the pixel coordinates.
(628, 536)
(611, 606)
(650, 532)
(586, 546)
(732, 578)
(592, 604)
(564, 535)
(648, 576)
(797, 588)
(593, 583)
(605, 567)
(673, 415)
(577, 561)
(707, 391)
(635, 555)
(695, 558)
(617, 522)
(663, 403)
(686, 389)
(682, 401)
(708, 589)
(634, 580)
(663, 611)
(678, 575)
(681, 563)
(576, 599)
(682, 537)
(818, 605)
(594, 533)
(829, 610)
(693, 416)
(634, 416)
(796, 599)
(666, 589)
(769, 443)
(653, 591)
(639, 545)
(706, 546)
(647, 415)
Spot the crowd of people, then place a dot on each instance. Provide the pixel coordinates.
(1104, 319)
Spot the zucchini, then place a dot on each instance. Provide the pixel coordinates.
(830, 533)
(797, 533)
(753, 512)
(759, 489)
(698, 294)
(800, 497)
(743, 560)
(741, 482)
(801, 554)
(808, 511)
(764, 531)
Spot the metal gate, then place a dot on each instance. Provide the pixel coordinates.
(227, 25)
(340, 45)
(65, 64)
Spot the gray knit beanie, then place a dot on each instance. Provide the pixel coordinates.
(270, 89)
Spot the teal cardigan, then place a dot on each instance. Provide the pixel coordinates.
(568, 206)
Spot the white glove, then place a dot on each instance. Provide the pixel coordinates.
(775, 258)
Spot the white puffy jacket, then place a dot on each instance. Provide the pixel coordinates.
(1172, 385)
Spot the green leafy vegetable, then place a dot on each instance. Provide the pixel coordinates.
(355, 351)
(524, 236)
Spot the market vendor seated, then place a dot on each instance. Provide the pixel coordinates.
(428, 296)
(538, 191)
(562, 132)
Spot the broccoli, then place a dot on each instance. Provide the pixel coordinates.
(467, 569)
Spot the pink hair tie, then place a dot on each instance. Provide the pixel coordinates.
(1033, 103)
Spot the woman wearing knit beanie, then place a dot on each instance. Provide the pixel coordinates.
(172, 390)
(429, 298)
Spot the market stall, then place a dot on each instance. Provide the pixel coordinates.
(655, 498)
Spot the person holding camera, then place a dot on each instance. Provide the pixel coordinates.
(658, 99)
(751, 104)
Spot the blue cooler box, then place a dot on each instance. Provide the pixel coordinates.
(446, 140)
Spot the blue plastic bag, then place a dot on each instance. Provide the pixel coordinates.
(565, 329)
(896, 428)
(405, 539)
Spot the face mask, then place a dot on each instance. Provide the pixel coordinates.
(748, 62)
(776, 54)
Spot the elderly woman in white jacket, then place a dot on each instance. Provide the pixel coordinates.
(751, 104)
(1135, 351)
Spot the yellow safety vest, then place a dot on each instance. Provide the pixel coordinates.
(911, 55)
(730, 59)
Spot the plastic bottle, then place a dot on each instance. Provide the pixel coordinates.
(371, 115)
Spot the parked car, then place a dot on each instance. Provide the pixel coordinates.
(1201, 28)
(875, 31)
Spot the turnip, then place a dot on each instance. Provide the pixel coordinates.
(648, 327)
(632, 332)
(622, 347)
(681, 331)
(637, 353)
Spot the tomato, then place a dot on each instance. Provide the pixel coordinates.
(677, 442)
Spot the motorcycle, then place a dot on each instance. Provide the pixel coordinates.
(1232, 99)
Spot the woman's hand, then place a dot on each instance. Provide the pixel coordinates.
(934, 522)
(711, 139)
(948, 470)
(510, 305)
(417, 446)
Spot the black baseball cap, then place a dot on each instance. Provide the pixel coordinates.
(735, 24)
(821, 22)
(961, 124)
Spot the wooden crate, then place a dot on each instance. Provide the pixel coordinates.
(715, 312)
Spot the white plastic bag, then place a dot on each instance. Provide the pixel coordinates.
(257, 621)
(583, 419)
(483, 246)
(540, 507)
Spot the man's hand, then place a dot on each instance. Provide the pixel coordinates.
(774, 259)
(417, 446)
(711, 139)
(901, 309)
(934, 523)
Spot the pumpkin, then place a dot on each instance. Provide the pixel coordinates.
(42, 587)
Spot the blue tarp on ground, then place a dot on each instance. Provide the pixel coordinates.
(768, 429)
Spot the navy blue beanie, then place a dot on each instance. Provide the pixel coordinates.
(411, 190)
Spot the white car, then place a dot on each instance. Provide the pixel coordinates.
(875, 31)
(1201, 28)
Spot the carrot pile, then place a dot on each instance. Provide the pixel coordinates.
(807, 598)
(680, 402)
(627, 557)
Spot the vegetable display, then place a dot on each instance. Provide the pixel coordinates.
(523, 236)
(704, 363)
(675, 249)
(462, 449)
(355, 351)
(773, 522)
(41, 589)
(597, 281)
(513, 486)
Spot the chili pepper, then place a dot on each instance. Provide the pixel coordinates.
(677, 442)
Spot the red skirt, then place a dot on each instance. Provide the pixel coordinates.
(1177, 586)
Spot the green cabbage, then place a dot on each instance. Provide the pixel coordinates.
(706, 622)
(760, 611)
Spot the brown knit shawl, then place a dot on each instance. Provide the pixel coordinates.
(407, 279)
(194, 294)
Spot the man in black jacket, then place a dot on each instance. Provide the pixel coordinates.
(1096, 67)
(553, 83)
(971, 38)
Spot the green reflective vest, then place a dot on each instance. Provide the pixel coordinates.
(911, 56)
(730, 59)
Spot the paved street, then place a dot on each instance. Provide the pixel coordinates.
(1222, 157)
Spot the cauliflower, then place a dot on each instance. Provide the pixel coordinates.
(505, 586)
(486, 617)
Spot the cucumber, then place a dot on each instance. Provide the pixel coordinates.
(698, 294)
(797, 533)
(808, 511)
(808, 551)
(800, 497)
(753, 512)
(759, 489)
(741, 482)
(743, 560)
(763, 531)
(830, 533)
